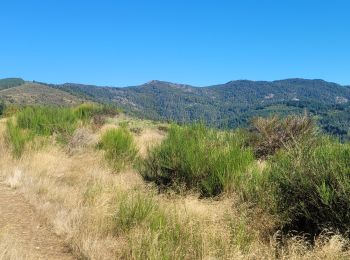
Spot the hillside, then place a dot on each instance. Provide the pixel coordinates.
(228, 105)
(33, 93)
(10, 82)
(231, 105)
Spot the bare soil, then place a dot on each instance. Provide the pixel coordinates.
(24, 225)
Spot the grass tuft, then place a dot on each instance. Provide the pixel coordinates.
(119, 147)
(199, 158)
(154, 233)
(16, 138)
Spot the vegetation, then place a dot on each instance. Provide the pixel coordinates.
(199, 158)
(46, 121)
(119, 147)
(311, 186)
(229, 105)
(164, 236)
(35, 94)
(279, 202)
(10, 82)
(268, 135)
(300, 186)
(16, 138)
(88, 110)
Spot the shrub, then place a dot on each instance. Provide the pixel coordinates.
(311, 187)
(45, 121)
(16, 138)
(198, 158)
(119, 147)
(97, 113)
(136, 210)
(273, 133)
(86, 111)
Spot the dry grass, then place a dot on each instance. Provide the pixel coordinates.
(80, 197)
(147, 139)
(10, 249)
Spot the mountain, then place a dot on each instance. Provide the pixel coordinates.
(225, 105)
(230, 104)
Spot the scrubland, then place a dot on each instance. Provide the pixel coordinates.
(114, 187)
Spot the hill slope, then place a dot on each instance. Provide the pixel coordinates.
(10, 82)
(164, 97)
(33, 93)
(231, 104)
(226, 105)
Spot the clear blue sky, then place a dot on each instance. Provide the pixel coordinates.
(199, 42)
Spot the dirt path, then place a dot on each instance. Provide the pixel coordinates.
(23, 233)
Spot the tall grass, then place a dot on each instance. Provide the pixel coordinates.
(198, 158)
(154, 233)
(16, 138)
(57, 120)
(46, 121)
(87, 111)
(119, 147)
(311, 187)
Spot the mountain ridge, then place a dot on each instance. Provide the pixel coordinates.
(230, 104)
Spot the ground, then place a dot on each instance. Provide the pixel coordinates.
(24, 234)
(63, 201)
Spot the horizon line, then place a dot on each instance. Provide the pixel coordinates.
(176, 83)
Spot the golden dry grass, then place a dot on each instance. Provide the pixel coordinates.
(10, 249)
(80, 198)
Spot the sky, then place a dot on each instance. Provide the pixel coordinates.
(197, 42)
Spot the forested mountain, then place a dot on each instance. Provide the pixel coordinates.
(227, 105)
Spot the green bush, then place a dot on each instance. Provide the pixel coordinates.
(56, 120)
(136, 210)
(16, 138)
(97, 113)
(86, 111)
(45, 121)
(119, 147)
(199, 158)
(311, 187)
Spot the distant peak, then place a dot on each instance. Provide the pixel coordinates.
(160, 82)
(154, 81)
